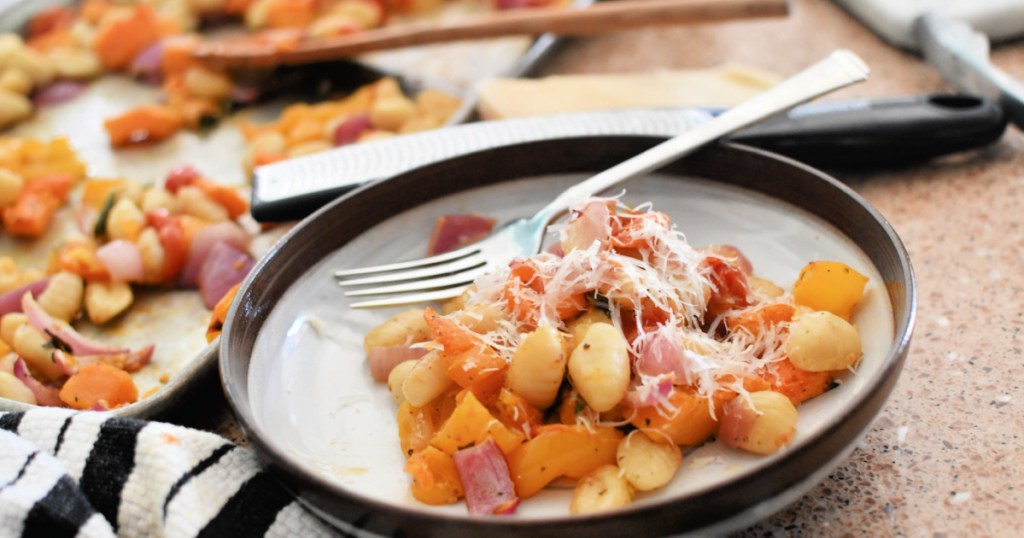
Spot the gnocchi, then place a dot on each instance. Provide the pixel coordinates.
(153, 256)
(537, 367)
(822, 341)
(646, 463)
(62, 298)
(599, 367)
(14, 107)
(34, 346)
(193, 201)
(763, 423)
(13, 389)
(106, 300)
(15, 80)
(77, 63)
(9, 324)
(579, 326)
(390, 114)
(397, 378)
(404, 328)
(602, 490)
(125, 221)
(155, 199)
(11, 184)
(426, 380)
(203, 82)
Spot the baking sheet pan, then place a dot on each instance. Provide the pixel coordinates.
(175, 320)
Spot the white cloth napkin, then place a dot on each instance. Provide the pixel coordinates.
(67, 473)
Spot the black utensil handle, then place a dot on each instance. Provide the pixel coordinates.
(879, 132)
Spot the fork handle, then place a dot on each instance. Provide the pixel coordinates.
(839, 69)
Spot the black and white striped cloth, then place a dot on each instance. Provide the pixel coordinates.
(66, 473)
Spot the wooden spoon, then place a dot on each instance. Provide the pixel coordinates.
(293, 47)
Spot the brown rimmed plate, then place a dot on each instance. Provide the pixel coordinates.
(294, 372)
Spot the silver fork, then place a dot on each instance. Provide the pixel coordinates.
(446, 275)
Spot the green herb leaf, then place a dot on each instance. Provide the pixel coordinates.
(101, 221)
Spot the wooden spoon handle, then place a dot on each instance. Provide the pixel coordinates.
(596, 19)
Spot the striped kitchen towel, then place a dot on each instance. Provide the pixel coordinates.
(66, 473)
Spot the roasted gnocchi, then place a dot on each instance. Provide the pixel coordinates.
(602, 490)
(404, 328)
(537, 367)
(762, 423)
(648, 463)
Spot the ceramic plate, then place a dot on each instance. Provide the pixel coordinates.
(295, 372)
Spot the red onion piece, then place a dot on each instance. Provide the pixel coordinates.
(58, 92)
(454, 231)
(11, 301)
(122, 259)
(80, 345)
(485, 480)
(245, 94)
(67, 363)
(592, 223)
(158, 217)
(521, 4)
(179, 177)
(203, 243)
(512, 4)
(507, 508)
(661, 354)
(350, 128)
(653, 392)
(148, 64)
(129, 361)
(45, 394)
(734, 256)
(139, 358)
(223, 268)
(384, 359)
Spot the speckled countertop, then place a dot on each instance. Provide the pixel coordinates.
(946, 456)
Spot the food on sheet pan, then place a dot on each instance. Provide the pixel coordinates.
(66, 46)
(373, 112)
(182, 234)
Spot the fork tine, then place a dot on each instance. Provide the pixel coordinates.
(411, 298)
(411, 264)
(458, 279)
(457, 266)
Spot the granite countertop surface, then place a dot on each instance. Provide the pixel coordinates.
(944, 456)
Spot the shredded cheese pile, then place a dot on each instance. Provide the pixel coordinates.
(666, 274)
